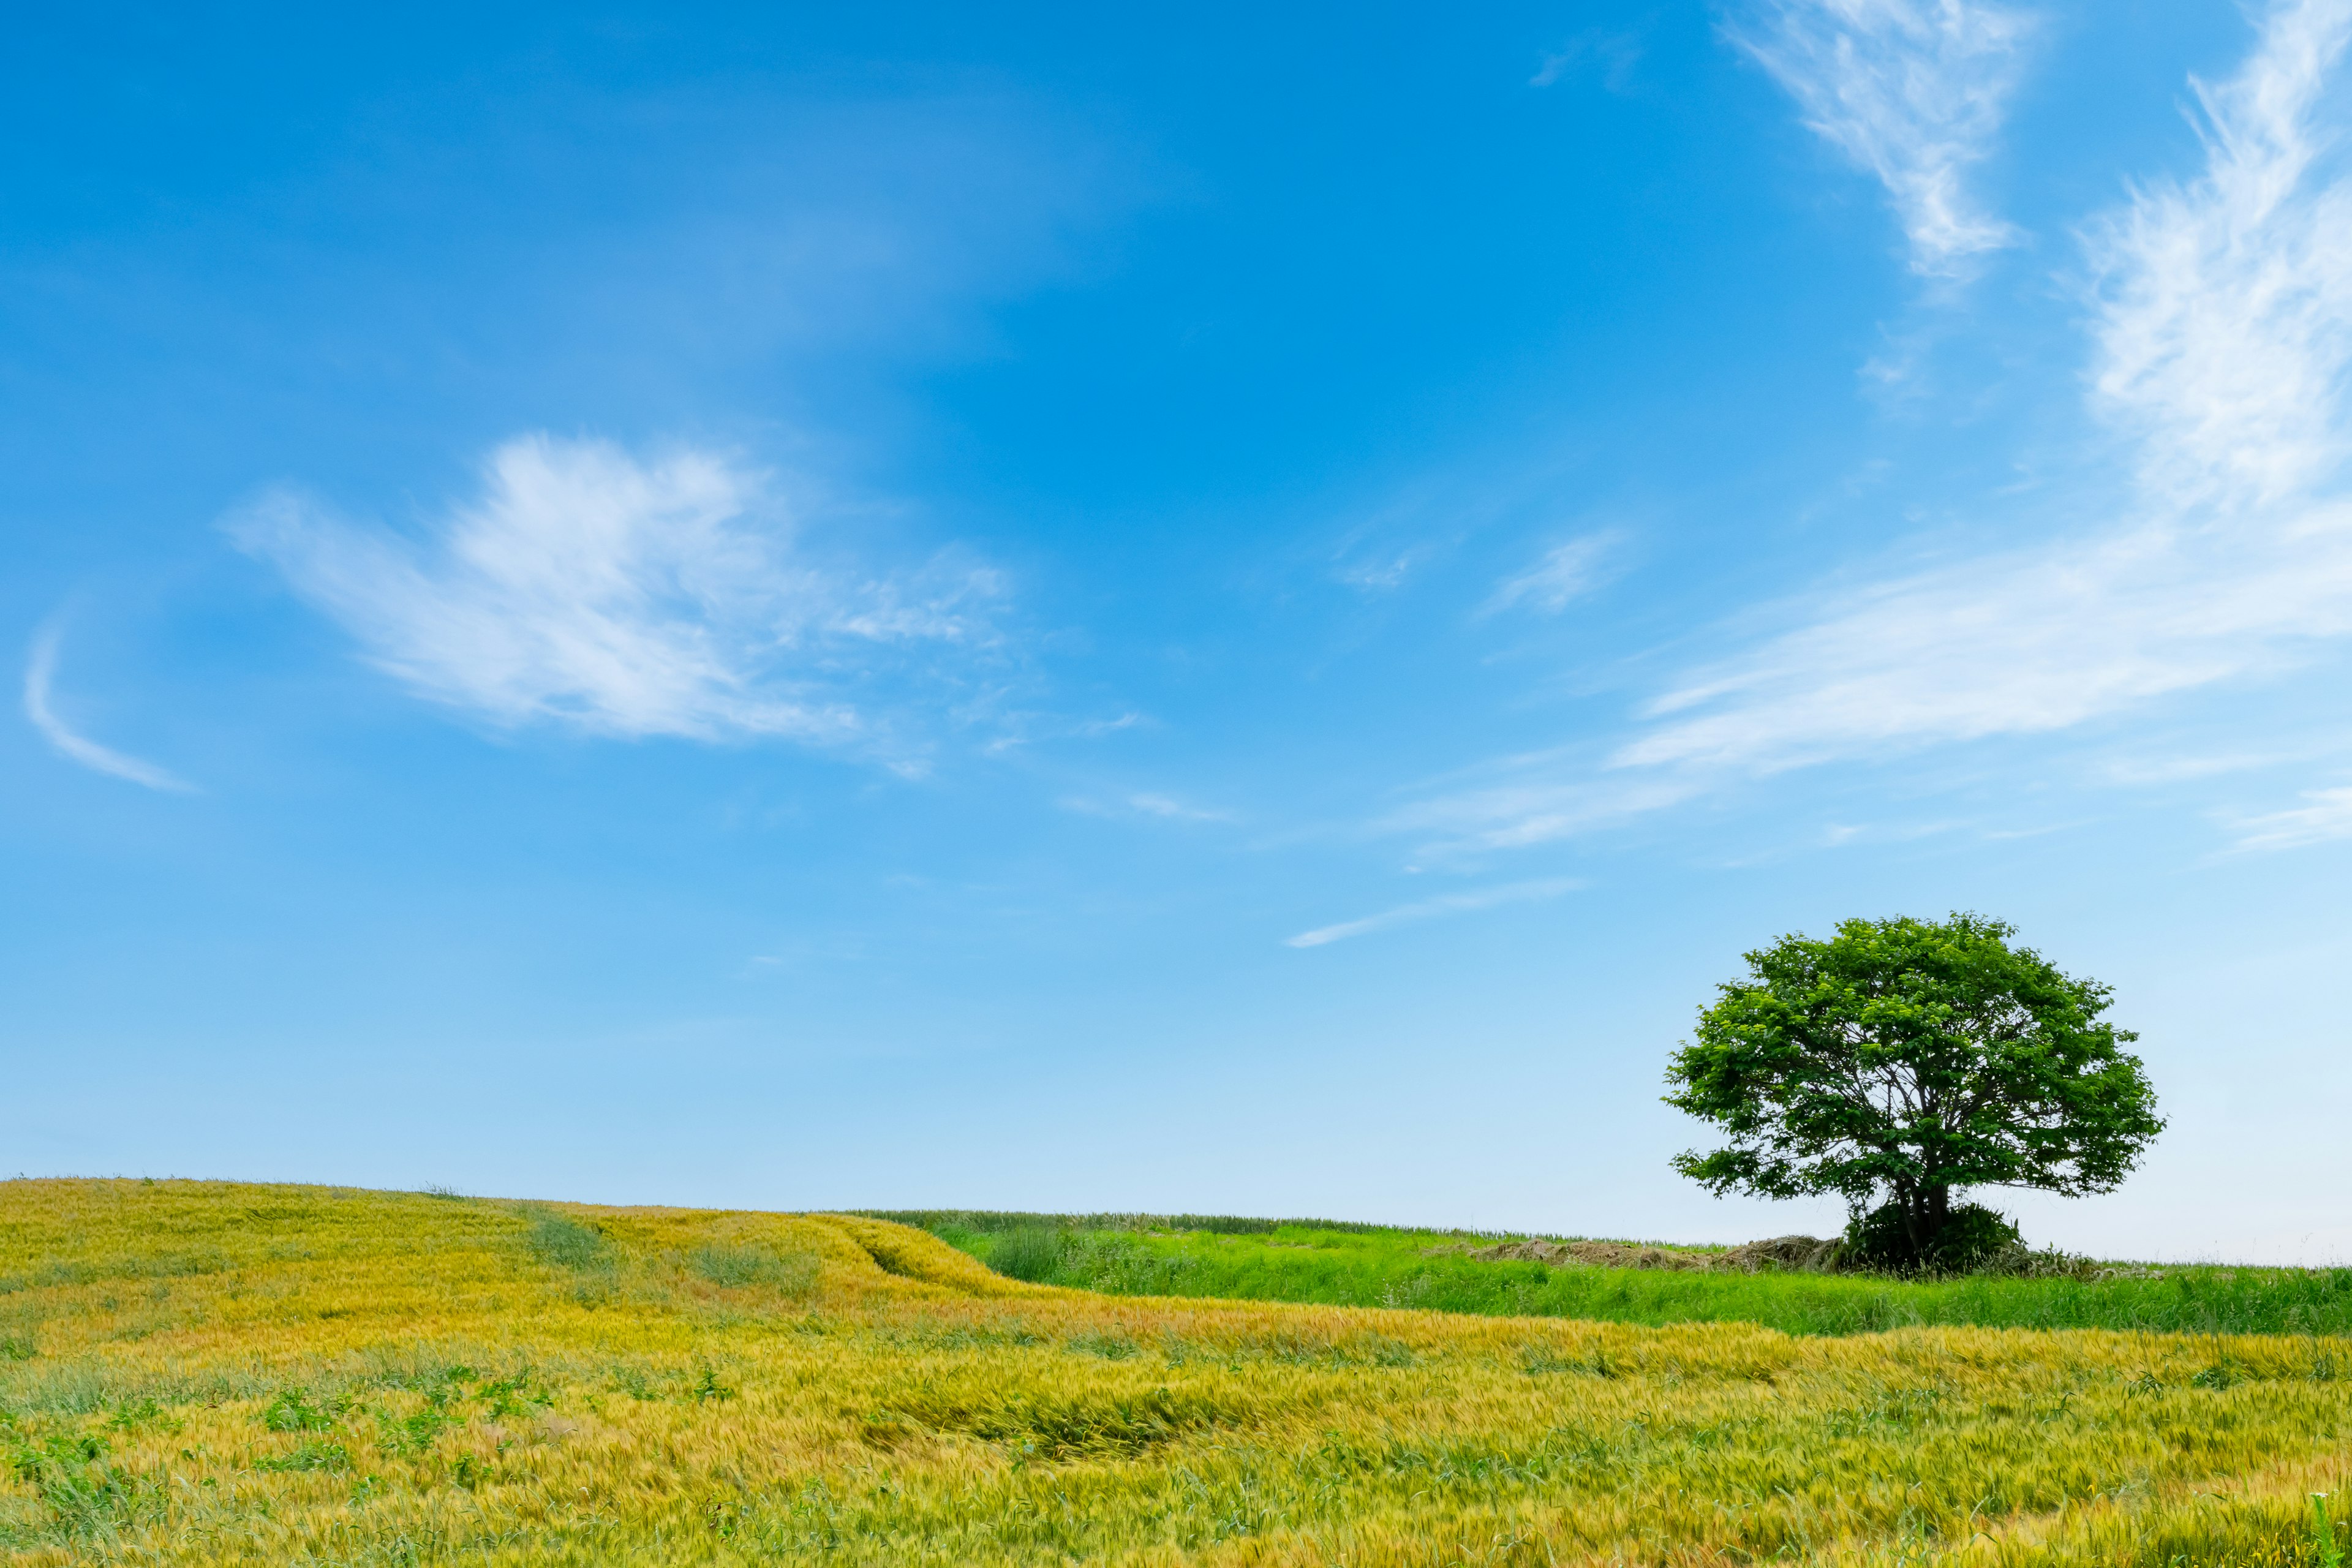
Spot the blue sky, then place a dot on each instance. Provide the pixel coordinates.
(1203, 610)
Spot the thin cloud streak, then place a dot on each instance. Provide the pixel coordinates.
(2142, 772)
(1566, 573)
(620, 597)
(1437, 909)
(1145, 804)
(1528, 806)
(40, 675)
(1168, 808)
(1615, 54)
(1913, 92)
(2327, 817)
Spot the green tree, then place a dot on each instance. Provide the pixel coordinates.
(1912, 1059)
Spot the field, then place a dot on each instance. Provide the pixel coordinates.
(215, 1373)
(1379, 1265)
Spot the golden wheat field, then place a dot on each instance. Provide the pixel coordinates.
(203, 1373)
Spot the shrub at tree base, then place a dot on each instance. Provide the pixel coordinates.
(1970, 1235)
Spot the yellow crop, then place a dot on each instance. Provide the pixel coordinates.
(214, 1373)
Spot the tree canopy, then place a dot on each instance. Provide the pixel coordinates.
(1911, 1059)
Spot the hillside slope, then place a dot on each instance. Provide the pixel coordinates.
(1382, 1266)
(212, 1374)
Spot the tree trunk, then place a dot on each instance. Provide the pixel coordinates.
(1925, 1211)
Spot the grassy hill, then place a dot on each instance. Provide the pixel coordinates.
(1381, 1266)
(217, 1374)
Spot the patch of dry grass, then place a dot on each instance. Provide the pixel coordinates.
(224, 1374)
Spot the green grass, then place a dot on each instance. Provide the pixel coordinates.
(991, 1222)
(366, 1380)
(1370, 1266)
(566, 1243)
(732, 1267)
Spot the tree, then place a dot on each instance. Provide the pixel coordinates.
(1913, 1060)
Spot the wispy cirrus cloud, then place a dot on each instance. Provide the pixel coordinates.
(1144, 803)
(2219, 358)
(1527, 801)
(1437, 909)
(2221, 338)
(1563, 574)
(617, 595)
(2327, 814)
(1911, 90)
(40, 709)
(1613, 55)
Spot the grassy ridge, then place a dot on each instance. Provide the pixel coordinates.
(1367, 1266)
(995, 1222)
(213, 1375)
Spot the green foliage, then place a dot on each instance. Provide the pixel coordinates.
(56, 1271)
(292, 1411)
(1909, 1059)
(516, 1396)
(1031, 1253)
(85, 1495)
(313, 1455)
(413, 1434)
(2221, 1375)
(566, 1243)
(33, 1461)
(582, 1250)
(736, 1266)
(1969, 1236)
(138, 1415)
(1110, 1347)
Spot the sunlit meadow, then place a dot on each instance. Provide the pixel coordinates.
(209, 1373)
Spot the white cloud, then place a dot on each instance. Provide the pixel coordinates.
(621, 597)
(2028, 643)
(1911, 90)
(2222, 337)
(1435, 909)
(1564, 573)
(2136, 772)
(2221, 355)
(2226, 326)
(1170, 809)
(40, 674)
(1385, 570)
(2328, 817)
(1163, 807)
(1530, 805)
(1613, 53)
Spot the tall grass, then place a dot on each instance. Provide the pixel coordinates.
(1372, 1267)
(735, 1265)
(565, 1242)
(388, 1378)
(989, 1222)
(1033, 1253)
